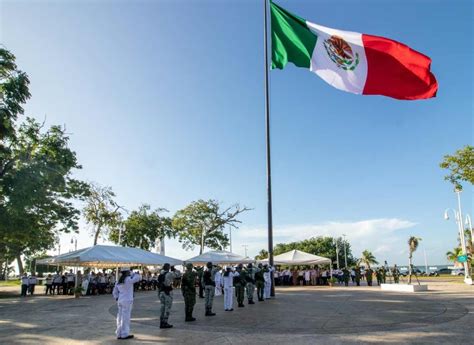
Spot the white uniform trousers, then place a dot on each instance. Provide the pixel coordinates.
(228, 295)
(267, 290)
(123, 318)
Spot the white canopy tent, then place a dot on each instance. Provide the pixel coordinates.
(220, 257)
(297, 257)
(108, 257)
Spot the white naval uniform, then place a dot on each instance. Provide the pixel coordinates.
(268, 283)
(228, 284)
(123, 293)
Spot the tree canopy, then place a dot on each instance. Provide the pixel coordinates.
(202, 224)
(143, 228)
(460, 166)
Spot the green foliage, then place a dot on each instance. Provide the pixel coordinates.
(101, 211)
(453, 255)
(322, 246)
(263, 254)
(143, 228)
(460, 166)
(368, 258)
(36, 190)
(14, 92)
(202, 224)
(413, 243)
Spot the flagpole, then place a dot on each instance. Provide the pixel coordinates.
(269, 167)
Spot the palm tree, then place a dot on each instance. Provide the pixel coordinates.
(412, 246)
(367, 258)
(453, 255)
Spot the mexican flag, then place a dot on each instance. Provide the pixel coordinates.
(350, 61)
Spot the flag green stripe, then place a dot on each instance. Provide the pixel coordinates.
(292, 41)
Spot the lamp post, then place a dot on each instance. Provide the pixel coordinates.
(336, 243)
(74, 241)
(469, 224)
(462, 237)
(345, 251)
(245, 248)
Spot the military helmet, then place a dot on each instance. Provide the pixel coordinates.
(189, 266)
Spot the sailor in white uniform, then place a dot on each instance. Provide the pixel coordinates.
(123, 294)
(267, 276)
(228, 284)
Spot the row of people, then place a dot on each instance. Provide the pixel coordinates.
(212, 278)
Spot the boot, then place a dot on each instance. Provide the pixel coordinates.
(241, 305)
(165, 324)
(189, 317)
(209, 312)
(251, 302)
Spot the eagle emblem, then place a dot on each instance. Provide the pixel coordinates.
(340, 52)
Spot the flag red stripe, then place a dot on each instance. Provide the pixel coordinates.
(396, 70)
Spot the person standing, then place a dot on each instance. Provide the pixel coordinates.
(357, 275)
(240, 283)
(260, 283)
(368, 276)
(165, 292)
(70, 278)
(227, 284)
(378, 275)
(24, 284)
(208, 280)
(123, 294)
(49, 285)
(384, 275)
(267, 276)
(250, 276)
(345, 275)
(200, 272)
(32, 283)
(188, 288)
(396, 274)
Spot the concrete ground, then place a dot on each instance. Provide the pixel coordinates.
(299, 315)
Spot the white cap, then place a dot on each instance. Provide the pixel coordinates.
(125, 269)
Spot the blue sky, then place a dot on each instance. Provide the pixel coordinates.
(164, 102)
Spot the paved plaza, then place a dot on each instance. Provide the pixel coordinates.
(299, 315)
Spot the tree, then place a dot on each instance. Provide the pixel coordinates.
(263, 254)
(202, 224)
(368, 258)
(36, 190)
(453, 255)
(460, 166)
(143, 228)
(322, 246)
(101, 210)
(412, 247)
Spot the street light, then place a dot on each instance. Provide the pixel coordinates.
(345, 251)
(245, 247)
(335, 241)
(74, 241)
(462, 237)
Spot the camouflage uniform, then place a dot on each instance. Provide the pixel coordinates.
(378, 275)
(357, 275)
(188, 287)
(208, 280)
(239, 284)
(250, 287)
(396, 275)
(259, 282)
(345, 276)
(384, 275)
(200, 271)
(166, 298)
(368, 276)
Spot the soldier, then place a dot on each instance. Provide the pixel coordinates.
(188, 287)
(208, 280)
(368, 276)
(250, 282)
(123, 294)
(357, 275)
(384, 275)
(396, 274)
(378, 275)
(260, 282)
(345, 276)
(24, 284)
(239, 283)
(165, 285)
(200, 271)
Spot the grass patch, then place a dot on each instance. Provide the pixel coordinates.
(15, 282)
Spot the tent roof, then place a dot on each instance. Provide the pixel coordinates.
(219, 257)
(297, 257)
(110, 256)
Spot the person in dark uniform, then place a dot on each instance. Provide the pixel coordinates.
(240, 282)
(345, 276)
(357, 275)
(368, 276)
(260, 282)
(188, 288)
